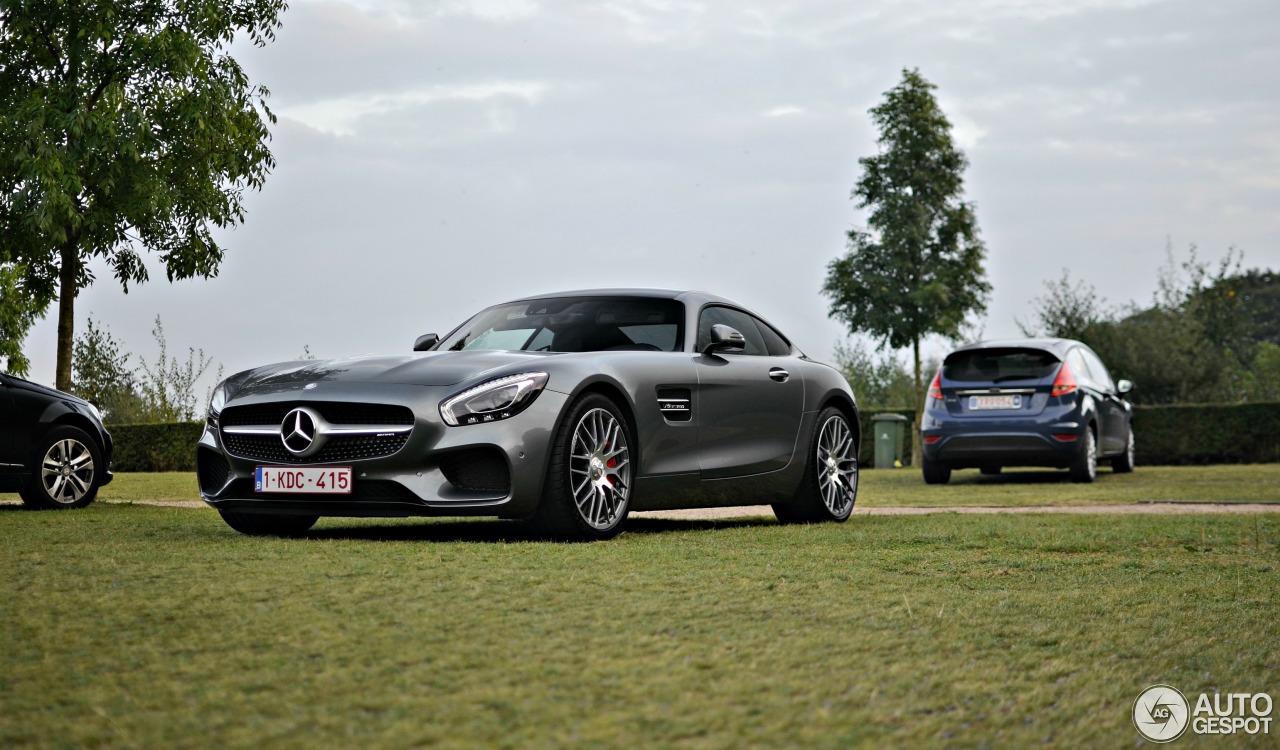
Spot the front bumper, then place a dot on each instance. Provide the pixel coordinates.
(493, 469)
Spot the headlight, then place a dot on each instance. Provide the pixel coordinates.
(494, 400)
(217, 401)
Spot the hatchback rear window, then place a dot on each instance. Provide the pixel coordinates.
(998, 365)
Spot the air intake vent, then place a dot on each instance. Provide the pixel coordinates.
(675, 404)
(477, 470)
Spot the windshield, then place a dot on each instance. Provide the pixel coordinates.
(998, 365)
(574, 324)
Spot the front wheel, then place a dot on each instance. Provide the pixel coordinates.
(588, 486)
(830, 484)
(1084, 468)
(68, 473)
(1123, 463)
(268, 524)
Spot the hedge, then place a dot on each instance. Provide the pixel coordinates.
(1208, 434)
(155, 447)
(1195, 434)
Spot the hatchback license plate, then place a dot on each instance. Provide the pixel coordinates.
(310, 480)
(977, 403)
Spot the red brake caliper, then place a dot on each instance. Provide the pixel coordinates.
(611, 463)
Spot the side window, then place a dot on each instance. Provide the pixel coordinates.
(778, 346)
(739, 321)
(1100, 373)
(1079, 367)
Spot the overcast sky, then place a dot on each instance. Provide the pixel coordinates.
(438, 157)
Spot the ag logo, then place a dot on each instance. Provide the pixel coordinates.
(1161, 713)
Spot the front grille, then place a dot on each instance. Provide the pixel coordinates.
(373, 490)
(211, 470)
(339, 448)
(333, 413)
(478, 470)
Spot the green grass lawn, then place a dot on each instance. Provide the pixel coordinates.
(143, 626)
(1250, 483)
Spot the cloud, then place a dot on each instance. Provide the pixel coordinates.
(341, 116)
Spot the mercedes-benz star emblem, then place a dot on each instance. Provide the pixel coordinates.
(298, 431)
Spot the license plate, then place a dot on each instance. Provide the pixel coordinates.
(309, 480)
(977, 403)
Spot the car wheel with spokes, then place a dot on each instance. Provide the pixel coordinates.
(830, 485)
(1123, 464)
(1084, 468)
(588, 487)
(68, 472)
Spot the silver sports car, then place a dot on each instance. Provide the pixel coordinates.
(569, 410)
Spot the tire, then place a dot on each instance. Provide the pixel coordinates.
(587, 493)
(67, 472)
(935, 472)
(1084, 468)
(990, 470)
(829, 487)
(1123, 463)
(268, 524)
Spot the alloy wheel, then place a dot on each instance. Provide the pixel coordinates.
(66, 471)
(600, 469)
(837, 467)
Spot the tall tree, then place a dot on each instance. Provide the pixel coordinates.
(918, 270)
(125, 126)
(19, 310)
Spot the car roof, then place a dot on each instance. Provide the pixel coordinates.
(1058, 346)
(686, 295)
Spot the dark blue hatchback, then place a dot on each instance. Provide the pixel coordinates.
(1026, 402)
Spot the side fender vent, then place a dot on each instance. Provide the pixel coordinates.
(675, 404)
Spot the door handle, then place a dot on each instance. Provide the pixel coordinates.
(778, 374)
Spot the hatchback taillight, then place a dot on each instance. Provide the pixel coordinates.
(1065, 382)
(935, 388)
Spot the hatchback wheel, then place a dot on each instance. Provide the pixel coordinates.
(935, 472)
(1085, 466)
(1123, 463)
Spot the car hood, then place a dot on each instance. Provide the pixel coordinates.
(431, 368)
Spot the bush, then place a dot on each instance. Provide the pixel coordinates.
(155, 447)
(1208, 434)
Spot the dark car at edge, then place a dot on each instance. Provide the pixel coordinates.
(54, 450)
(569, 410)
(1026, 402)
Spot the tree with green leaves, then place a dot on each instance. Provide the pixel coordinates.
(125, 126)
(918, 269)
(20, 308)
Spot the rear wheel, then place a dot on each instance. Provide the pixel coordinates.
(588, 487)
(268, 524)
(1123, 463)
(68, 472)
(1084, 468)
(830, 484)
(934, 472)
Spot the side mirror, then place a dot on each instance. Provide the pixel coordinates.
(725, 339)
(1124, 386)
(425, 342)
